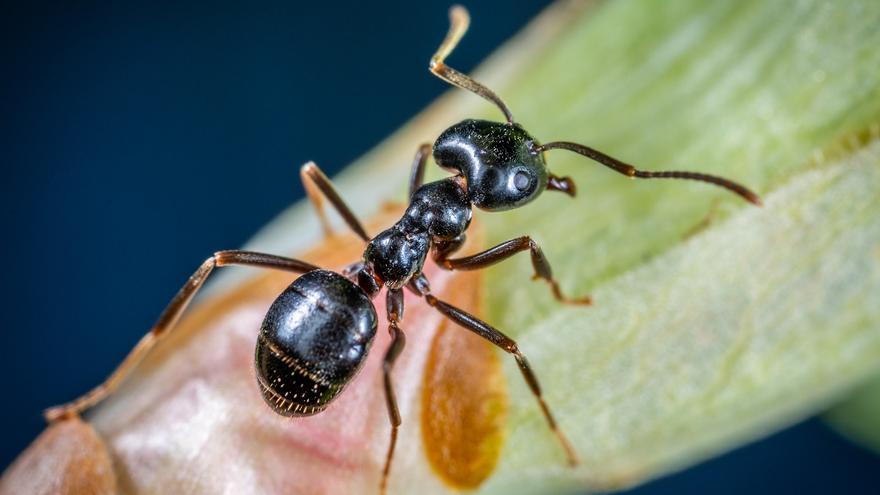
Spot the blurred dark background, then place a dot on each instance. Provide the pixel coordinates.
(136, 139)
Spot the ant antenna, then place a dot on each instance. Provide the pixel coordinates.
(630, 171)
(459, 19)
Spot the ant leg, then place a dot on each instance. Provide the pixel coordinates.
(167, 321)
(443, 248)
(495, 336)
(317, 185)
(417, 177)
(398, 341)
(507, 249)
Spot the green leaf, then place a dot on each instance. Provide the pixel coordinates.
(761, 320)
(714, 322)
(856, 417)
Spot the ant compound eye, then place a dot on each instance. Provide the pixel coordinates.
(521, 181)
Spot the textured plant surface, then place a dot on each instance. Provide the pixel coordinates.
(714, 322)
(707, 330)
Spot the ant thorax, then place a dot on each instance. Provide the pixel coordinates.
(437, 211)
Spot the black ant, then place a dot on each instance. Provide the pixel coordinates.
(316, 335)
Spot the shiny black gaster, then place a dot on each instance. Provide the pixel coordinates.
(314, 339)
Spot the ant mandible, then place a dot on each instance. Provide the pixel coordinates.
(317, 333)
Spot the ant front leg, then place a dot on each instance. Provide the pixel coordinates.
(169, 318)
(505, 250)
(317, 185)
(495, 336)
(394, 304)
(417, 176)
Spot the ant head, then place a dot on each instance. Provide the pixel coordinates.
(504, 166)
(501, 162)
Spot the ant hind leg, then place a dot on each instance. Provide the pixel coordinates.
(167, 320)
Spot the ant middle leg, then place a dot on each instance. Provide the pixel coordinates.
(317, 185)
(394, 303)
(495, 336)
(169, 318)
(505, 250)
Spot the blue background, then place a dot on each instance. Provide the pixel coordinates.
(136, 140)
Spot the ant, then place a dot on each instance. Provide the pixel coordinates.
(317, 333)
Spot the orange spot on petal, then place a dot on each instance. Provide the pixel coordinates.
(464, 400)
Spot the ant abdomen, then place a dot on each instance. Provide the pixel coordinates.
(313, 341)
